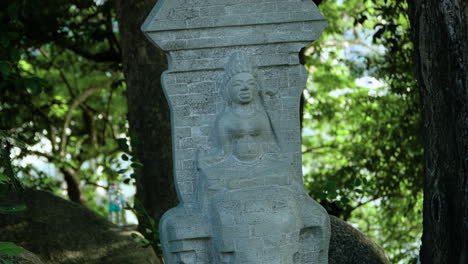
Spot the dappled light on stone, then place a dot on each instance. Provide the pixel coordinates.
(233, 85)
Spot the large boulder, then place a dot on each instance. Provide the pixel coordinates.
(25, 257)
(62, 232)
(349, 246)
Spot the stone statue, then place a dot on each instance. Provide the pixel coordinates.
(249, 207)
(234, 84)
(243, 130)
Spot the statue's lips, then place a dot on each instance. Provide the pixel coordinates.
(245, 95)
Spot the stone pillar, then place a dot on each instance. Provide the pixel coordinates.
(234, 85)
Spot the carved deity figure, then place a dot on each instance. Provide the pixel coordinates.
(243, 129)
(250, 206)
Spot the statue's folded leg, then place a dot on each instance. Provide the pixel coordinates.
(184, 237)
(315, 234)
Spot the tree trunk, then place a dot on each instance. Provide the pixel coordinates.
(148, 111)
(74, 190)
(440, 35)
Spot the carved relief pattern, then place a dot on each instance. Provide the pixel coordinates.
(249, 208)
(234, 84)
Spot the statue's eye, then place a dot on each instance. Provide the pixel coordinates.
(238, 84)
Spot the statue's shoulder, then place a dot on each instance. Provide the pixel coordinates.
(226, 120)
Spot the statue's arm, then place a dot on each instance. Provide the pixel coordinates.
(270, 134)
(225, 137)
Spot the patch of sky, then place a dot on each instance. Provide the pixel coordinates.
(40, 164)
(100, 2)
(340, 92)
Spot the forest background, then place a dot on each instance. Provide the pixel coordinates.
(63, 93)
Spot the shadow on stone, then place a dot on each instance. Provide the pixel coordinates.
(61, 232)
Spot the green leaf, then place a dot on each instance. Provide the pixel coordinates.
(137, 165)
(10, 249)
(122, 171)
(4, 179)
(139, 239)
(74, 164)
(122, 143)
(357, 182)
(345, 200)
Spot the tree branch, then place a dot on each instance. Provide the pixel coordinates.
(104, 56)
(309, 150)
(87, 181)
(114, 43)
(76, 103)
(67, 83)
(106, 116)
(44, 155)
(73, 186)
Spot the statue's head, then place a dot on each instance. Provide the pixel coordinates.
(242, 88)
(240, 84)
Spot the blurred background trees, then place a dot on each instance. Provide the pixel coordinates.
(62, 92)
(361, 137)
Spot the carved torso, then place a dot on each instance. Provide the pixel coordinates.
(246, 134)
(249, 207)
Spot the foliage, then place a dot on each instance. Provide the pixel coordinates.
(11, 188)
(151, 233)
(62, 92)
(130, 175)
(8, 250)
(362, 145)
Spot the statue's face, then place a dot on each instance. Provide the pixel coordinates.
(242, 88)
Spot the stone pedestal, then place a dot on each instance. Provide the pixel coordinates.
(234, 85)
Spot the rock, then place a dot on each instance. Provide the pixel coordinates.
(25, 257)
(349, 246)
(234, 84)
(62, 232)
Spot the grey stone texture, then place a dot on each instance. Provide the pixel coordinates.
(233, 85)
(349, 246)
(61, 232)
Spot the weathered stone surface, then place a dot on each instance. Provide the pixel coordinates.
(61, 232)
(349, 246)
(233, 85)
(191, 83)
